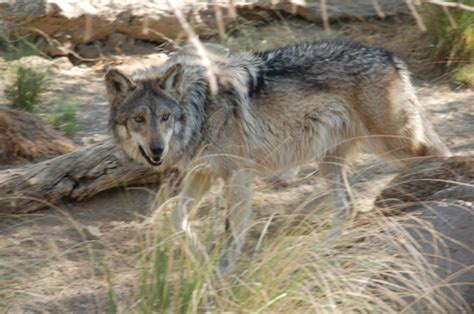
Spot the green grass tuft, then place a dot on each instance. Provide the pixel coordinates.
(453, 42)
(25, 92)
(464, 76)
(12, 48)
(64, 118)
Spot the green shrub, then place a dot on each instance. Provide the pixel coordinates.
(157, 293)
(25, 92)
(13, 48)
(464, 77)
(64, 118)
(453, 42)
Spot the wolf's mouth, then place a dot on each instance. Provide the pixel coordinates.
(150, 161)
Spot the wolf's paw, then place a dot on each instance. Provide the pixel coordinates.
(227, 260)
(284, 179)
(224, 266)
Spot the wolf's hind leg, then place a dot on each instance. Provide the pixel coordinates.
(194, 186)
(411, 133)
(238, 195)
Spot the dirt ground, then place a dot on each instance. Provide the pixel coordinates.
(58, 258)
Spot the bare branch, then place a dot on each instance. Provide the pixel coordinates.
(451, 4)
(163, 36)
(451, 20)
(194, 40)
(87, 27)
(378, 9)
(414, 12)
(324, 16)
(232, 10)
(220, 22)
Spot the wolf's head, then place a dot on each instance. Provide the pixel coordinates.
(146, 114)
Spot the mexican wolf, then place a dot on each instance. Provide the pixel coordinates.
(273, 111)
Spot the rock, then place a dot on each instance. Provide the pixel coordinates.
(336, 9)
(449, 251)
(440, 192)
(91, 232)
(42, 64)
(116, 40)
(89, 51)
(83, 22)
(3, 64)
(54, 47)
(63, 63)
(36, 62)
(463, 192)
(429, 179)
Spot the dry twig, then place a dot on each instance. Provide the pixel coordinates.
(451, 4)
(414, 12)
(451, 20)
(378, 9)
(324, 16)
(220, 21)
(194, 40)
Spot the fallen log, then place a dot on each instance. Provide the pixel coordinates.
(26, 136)
(70, 177)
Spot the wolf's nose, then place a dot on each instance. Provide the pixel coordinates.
(157, 151)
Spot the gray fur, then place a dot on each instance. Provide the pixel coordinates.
(274, 110)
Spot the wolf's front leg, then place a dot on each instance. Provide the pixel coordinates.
(238, 195)
(333, 170)
(193, 187)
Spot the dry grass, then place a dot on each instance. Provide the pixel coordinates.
(143, 265)
(375, 266)
(451, 32)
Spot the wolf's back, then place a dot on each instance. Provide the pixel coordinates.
(330, 59)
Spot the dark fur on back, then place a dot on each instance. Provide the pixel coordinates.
(325, 56)
(325, 62)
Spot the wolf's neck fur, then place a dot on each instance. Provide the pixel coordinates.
(194, 102)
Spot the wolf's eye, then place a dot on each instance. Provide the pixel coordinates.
(139, 119)
(165, 117)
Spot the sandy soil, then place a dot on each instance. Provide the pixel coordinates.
(59, 258)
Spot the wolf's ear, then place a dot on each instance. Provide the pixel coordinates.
(118, 86)
(172, 80)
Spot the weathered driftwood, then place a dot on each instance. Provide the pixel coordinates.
(69, 177)
(26, 136)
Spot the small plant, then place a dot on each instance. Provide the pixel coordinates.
(64, 118)
(464, 77)
(452, 33)
(26, 90)
(16, 47)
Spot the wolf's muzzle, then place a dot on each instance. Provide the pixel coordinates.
(156, 151)
(156, 161)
